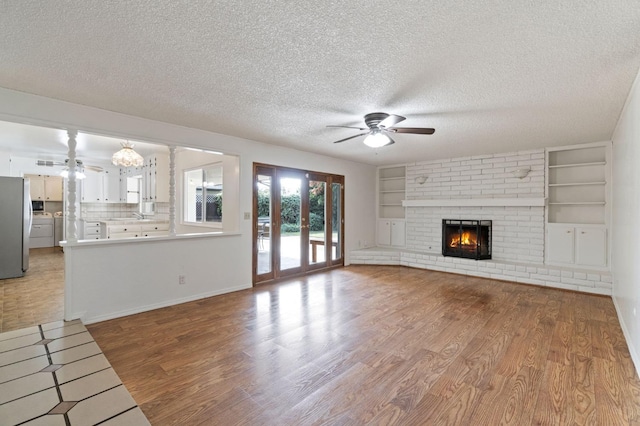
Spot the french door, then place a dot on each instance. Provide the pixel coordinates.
(298, 221)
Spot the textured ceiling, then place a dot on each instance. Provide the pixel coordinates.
(490, 76)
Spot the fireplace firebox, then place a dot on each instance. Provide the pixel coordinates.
(470, 239)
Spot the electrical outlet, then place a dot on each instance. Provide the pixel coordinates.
(247, 216)
(182, 280)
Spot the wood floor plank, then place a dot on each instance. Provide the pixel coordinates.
(378, 345)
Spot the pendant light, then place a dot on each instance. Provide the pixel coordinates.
(127, 157)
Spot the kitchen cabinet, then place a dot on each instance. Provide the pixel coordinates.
(129, 188)
(45, 188)
(391, 232)
(36, 187)
(155, 185)
(53, 188)
(90, 230)
(133, 230)
(101, 187)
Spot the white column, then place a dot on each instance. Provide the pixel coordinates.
(72, 230)
(172, 191)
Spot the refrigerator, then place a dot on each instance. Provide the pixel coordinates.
(15, 226)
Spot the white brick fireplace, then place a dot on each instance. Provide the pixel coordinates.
(483, 188)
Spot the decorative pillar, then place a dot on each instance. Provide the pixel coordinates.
(172, 191)
(72, 230)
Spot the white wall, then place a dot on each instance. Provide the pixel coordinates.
(626, 220)
(131, 273)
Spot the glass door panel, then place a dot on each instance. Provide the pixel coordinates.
(316, 223)
(292, 224)
(298, 223)
(264, 225)
(336, 221)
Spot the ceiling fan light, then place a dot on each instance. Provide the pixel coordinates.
(79, 174)
(127, 157)
(376, 140)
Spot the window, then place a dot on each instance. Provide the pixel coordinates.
(203, 194)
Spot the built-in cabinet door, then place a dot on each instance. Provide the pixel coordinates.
(397, 233)
(384, 232)
(391, 232)
(591, 246)
(560, 243)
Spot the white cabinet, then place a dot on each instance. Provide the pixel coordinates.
(155, 185)
(36, 187)
(92, 187)
(391, 232)
(391, 192)
(101, 187)
(90, 230)
(591, 246)
(560, 244)
(111, 186)
(578, 211)
(134, 230)
(584, 246)
(129, 188)
(53, 188)
(45, 188)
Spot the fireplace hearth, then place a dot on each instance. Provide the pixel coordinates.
(469, 239)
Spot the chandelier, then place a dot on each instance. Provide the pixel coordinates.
(127, 157)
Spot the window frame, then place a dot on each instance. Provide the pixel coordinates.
(185, 196)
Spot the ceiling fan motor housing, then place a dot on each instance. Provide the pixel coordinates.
(374, 119)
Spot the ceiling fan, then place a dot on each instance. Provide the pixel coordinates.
(379, 125)
(65, 163)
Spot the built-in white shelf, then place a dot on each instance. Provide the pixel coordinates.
(578, 183)
(580, 203)
(597, 163)
(477, 202)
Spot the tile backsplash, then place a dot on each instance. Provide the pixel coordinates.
(119, 210)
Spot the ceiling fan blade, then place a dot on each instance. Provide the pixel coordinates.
(391, 120)
(94, 168)
(391, 142)
(351, 137)
(415, 130)
(350, 127)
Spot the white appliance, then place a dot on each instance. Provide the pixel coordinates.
(15, 211)
(58, 220)
(42, 233)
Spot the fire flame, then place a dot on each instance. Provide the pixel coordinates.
(466, 239)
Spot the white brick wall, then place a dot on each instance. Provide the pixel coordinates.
(518, 232)
(543, 275)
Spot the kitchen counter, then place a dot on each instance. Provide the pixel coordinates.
(127, 221)
(133, 228)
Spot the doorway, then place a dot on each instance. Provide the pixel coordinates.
(298, 222)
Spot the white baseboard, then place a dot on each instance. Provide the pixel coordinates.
(627, 337)
(140, 309)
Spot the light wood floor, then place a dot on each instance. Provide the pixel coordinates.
(379, 345)
(36, 298)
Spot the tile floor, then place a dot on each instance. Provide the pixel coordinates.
(55, 374)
